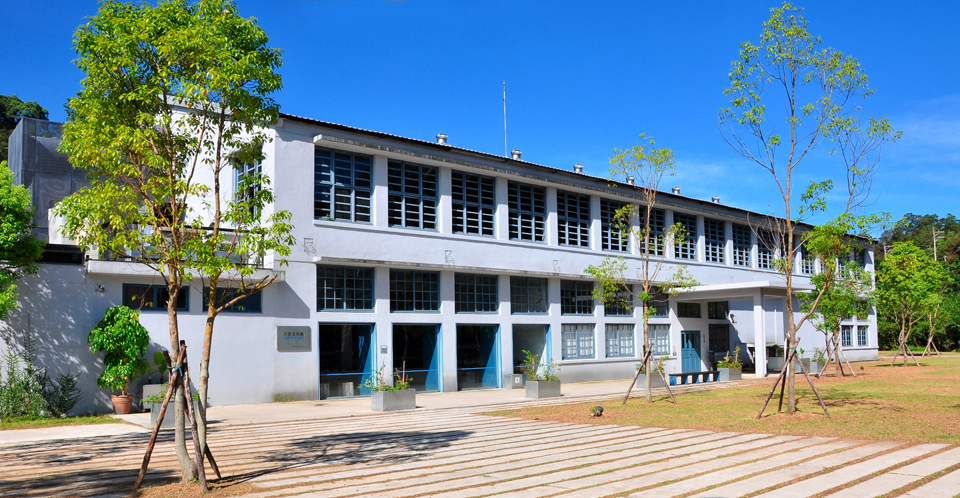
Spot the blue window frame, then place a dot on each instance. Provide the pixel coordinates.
(658, 222)
(614, 231)
(620, 340)
(474, 204)
(862, 335)
(528, 211)
(578, 341)
(412, 290)
(686, 248)
(573, 219)
(412, 201)
(715, 239)
(846, 336)
(153, 297)
(741, 245)
(249, 304)
(621, 303)
(660, 339)
(342, 185)
(344, 288)
(528, 295)
(475, 293)
(576, 298)
(688, 310)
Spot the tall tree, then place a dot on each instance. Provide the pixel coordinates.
(173, 95)
(19, 250)
(646, 166)
(12, 110)
(814, 91)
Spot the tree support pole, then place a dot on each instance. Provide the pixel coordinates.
(666, 383)
(188, 395)
(804, 370)
(635, 378)
(772, 390)
(171, 387)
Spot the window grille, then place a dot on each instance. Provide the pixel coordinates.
(859, 255)
(245, 193)
(412, 198)
(766, 250)
(688, 310)
(862, 335)
(576, 298)
(342, 185)
(344, 288)
(412, 290)
(686, 248)
(717, 310)
(573, 219)
(619, 339)
(474, 204)
(528, 211)
(716, 240)
(719, 339)
(152, 297)
(658, 221)
(846, 336)
(528, 295)
(578, 341)
(806, 261)
(660, 339)
(476, 293)
(741, 245)
(249, 304)
(621, 304)
(615, 231)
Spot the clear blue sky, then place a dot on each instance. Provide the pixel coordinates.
(582, 78)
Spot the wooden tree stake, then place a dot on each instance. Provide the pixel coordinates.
(646, 356)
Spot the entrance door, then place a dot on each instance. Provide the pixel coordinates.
(416, 351)
(346, 359)
(532, 338)
(477, 357)
(690, 351)
(719, 339)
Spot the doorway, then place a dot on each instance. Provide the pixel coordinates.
(416, 351)
(478, 357)
(690, 351)
(346, 359)
(532, 338)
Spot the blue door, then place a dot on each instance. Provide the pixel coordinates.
(690, 351)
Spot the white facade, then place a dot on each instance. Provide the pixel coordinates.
(64, 302)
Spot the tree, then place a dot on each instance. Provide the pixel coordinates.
(908, 288)
(815, 91)
(19, 250)
(646, 165)
(12, 110)
(173, 95)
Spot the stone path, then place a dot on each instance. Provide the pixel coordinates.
(459, 453)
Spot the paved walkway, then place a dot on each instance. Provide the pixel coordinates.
(456, 452)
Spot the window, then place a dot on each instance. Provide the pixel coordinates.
(344, 288)
(621, 304)
(741, 245)
(719, 339)
(528, 295)
(686, 248)
(614, 230)
(246, 181)
(846, 336)
(578, 341)
(573, 219)
(474, 204)
(576, 298)
(862, 335)
(806, 261)
(619, 340)
(152, 297)
(342, 185)
(412, 198)
(249, 304)
(658, 223)
(476, 293)
(688, 310)
(528, 211)
(660, 339)
(660, 304)
(414, 290)
(766, 250)
(859, 256)
(718, 310)
(716, 240)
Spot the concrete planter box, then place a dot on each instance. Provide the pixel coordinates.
(169, 418)
(385, 401)
(149, 390)
(514, 381)
(728, 374)
(775, 363)
(655, 381)
(543, 389)
(812, 366)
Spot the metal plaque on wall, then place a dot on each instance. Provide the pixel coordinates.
(293, 339)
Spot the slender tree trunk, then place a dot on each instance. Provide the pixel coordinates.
(792, 343)
(646, 347)
(204, 377)
(187, 467)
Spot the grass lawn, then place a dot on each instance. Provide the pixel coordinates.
(54, 422)
(911, 404)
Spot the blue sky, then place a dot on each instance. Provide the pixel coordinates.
(582, 78)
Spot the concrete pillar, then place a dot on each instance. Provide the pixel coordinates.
(448, 332)
(506, 327)
(380, 191)
(553, 238)
(728, 246)
(595, 238)
(759, 335)
(445, 204)
(502, 216)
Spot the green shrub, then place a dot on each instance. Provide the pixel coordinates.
(731, 360)
(125, 341)
(537, 372)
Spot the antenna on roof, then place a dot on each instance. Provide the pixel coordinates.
(505, 119)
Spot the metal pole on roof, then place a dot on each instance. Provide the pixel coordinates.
(505, 119)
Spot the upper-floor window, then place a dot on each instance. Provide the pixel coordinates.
(715, 239)
(806, 261)
(576, 297)
(528, 295)
(344, 288)
(741, 245)
(620, 304)
(718, 310)
(475, 293)
(246, 304)
(342, 185)
(412, 290)
(660, 302)
(474, 203)
(686, 247)
(862, 335)
(846, 336)
(528, 211)
(658, 223)
(766, 249)
(573, 219)
(152, 297)
(688, 310)
(246, 181)
(412, 200)
(614, 230)
(859, 256)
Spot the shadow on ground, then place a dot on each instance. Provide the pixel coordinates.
(83, 483)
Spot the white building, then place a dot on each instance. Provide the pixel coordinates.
(447, 262)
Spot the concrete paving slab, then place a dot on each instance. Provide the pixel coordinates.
(19, 436)
(947, 486)
(902, 476)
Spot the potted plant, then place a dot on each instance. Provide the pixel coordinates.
(816, 363)
(151, 389)
(386, 398)
(542, 382)
(730, 367)
(121, 336)
(656, 380)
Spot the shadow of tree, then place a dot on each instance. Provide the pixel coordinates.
(83, 483)
(61, 452)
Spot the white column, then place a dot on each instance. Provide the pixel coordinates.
(595, 237)
(380, 192)
(728, 246)
(701, 240)
(445, 205)
(552, 238)
(668, 245)
(448, 332)
(759, 335)
(502, 227)
(506, 328)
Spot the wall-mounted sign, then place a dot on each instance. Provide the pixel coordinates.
(383, 350)
(293, 339)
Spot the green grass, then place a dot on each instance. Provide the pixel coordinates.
(908, 404)
(56, 422)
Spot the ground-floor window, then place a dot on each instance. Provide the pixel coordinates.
(846, 336)
(660, 339)
(578, 341)
(416, 353)
(619, 340)
(477, 357)
(719, 338)
(862, 335)
(532, 338)
(347, 359)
